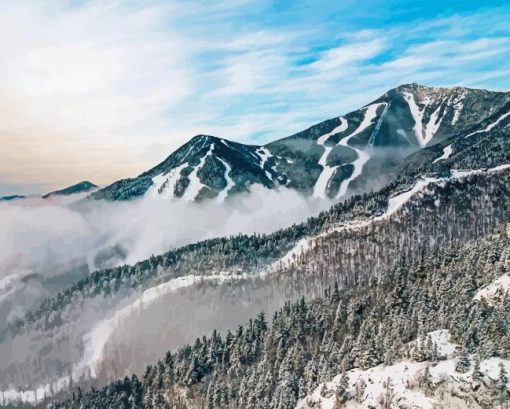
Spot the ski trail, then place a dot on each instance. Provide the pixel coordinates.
(491, 126)
(322, 183)
(230, 183)
(447, 152)
(417, 115)
(433, 124)
(264, 156)
(458, 105)
(195, 185)
(363, 157)
(378, 126)
(424, 133)
(164, 183)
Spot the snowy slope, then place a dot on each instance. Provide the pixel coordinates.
(500, 286)
(402, 385)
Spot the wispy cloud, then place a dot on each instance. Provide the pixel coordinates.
(96, 90)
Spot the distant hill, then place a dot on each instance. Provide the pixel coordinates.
(81, 187)
(11, 197)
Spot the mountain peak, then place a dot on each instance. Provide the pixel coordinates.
(205, 138)
(345, 153)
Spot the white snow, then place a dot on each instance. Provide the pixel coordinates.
(300, 247)
(396, 202)
(33, 396)
(230, 183)
(322, 183)
(424, 133)
(188, 151)
(264, 155)
(458, 105)
(433, 125)
(378, 125)
(459, 174)
(164, 183)
(417, 115)
(363, 157)
(490, 126)
(96, 339)
(402, 377)
(442, 339)
(195, 185)
(488, 292)
(447, 152)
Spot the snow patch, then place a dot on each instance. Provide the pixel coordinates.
(447, 152)
(396, 202)
(265, 155)
(488, 292)
(96, 339)
(458, 105)
(442, 339)
(489, 127)
(164, 183)
(433, 124)
(400, 380)
(378, 125)
(424, 133)
(300, 247)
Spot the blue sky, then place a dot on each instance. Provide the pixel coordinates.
(103, 90)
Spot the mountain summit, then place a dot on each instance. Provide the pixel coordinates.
(351, 153)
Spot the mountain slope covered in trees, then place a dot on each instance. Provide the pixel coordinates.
(442, 199)
(410, 315)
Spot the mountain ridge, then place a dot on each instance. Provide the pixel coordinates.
(331, 159)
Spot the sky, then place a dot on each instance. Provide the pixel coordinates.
(95, 90)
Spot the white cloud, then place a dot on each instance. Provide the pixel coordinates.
(336, 58)
(86, 81)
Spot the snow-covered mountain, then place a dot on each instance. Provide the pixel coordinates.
(355, 152)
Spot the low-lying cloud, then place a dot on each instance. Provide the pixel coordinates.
(48, 238)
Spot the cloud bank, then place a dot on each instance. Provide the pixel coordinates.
(43, 240)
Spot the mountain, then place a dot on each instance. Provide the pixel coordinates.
(11, 197)
(356, 152)
(423, 257)
(81, 187)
